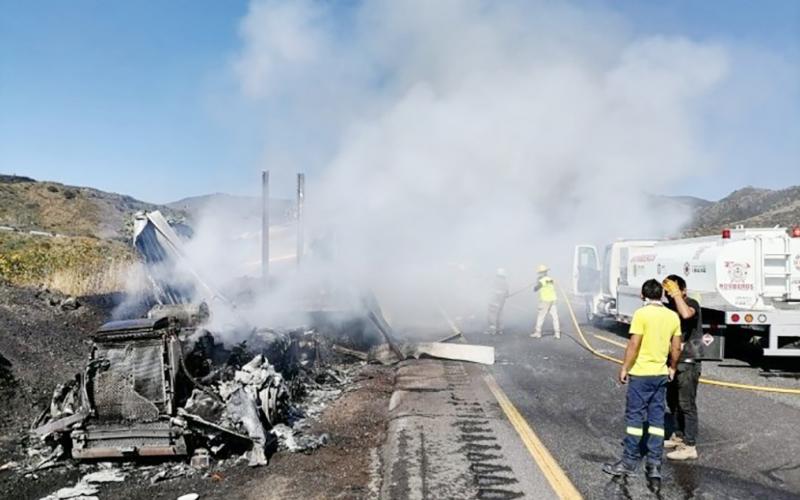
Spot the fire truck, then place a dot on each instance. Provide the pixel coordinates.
(747, 281)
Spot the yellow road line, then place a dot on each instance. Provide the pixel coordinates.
(554, 474)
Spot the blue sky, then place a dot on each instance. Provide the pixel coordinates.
(138, 97)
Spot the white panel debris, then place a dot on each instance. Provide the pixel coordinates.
(172, 276)
(460, 352)
(86, 488)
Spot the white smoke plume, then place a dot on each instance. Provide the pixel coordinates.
(445, 139)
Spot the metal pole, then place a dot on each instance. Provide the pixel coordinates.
(301, 194)
(265, 227)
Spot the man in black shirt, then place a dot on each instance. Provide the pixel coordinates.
(682, 391)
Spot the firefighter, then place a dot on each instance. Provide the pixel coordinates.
(497, 302)
(682, 392)
(547, 302)
(655, 337)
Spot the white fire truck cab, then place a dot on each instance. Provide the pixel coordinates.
(747, 282)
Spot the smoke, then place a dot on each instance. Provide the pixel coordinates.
(445, 139)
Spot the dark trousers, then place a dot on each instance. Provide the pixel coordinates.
(646, 403)
(682, 401)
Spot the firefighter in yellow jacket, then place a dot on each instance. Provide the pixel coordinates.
(547, 302)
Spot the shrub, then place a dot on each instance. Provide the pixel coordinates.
(73, 265)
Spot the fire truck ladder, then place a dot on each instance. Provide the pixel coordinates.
(775, 279)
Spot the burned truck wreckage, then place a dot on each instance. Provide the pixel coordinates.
(153, 387)
(164, 385)
(168, 385)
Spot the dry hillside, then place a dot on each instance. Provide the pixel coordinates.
(750, 207)
(26, 204)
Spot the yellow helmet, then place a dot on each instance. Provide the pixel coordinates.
(542, 268)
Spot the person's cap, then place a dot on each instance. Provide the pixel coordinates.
(542, 268)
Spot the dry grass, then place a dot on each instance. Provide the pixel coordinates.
(72, 265)
(83, 281)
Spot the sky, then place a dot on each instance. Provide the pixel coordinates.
(143, 98)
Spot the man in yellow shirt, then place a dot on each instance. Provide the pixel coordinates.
(655, 336)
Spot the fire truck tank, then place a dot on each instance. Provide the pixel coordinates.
(755, 269)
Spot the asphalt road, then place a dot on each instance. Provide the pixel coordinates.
(449, 438)
(749, 443)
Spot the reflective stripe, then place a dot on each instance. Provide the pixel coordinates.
(634, 431)
(655, 431)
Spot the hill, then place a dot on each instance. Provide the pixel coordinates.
(690, 202)
(27, 204)
(245, 208)
(30, 205)
(750, 207)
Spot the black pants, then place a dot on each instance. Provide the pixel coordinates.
(682, 401)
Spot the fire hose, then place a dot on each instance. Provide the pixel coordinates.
(703, 380)
(521, 290)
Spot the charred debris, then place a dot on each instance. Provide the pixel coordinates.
(167, 386)
(164, 386)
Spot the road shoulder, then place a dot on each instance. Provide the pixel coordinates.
(449, 438)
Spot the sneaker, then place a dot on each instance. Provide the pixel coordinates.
(673, 442)
(619, 468)
(536, 335)
(683, 452)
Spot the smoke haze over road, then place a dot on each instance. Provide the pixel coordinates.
(451, 138)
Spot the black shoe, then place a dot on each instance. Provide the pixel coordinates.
(654, 485)
(619, 468)
(652, 471)
(653, 474)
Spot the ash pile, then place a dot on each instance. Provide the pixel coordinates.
(164, 386)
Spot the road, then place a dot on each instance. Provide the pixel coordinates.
(749, 442)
